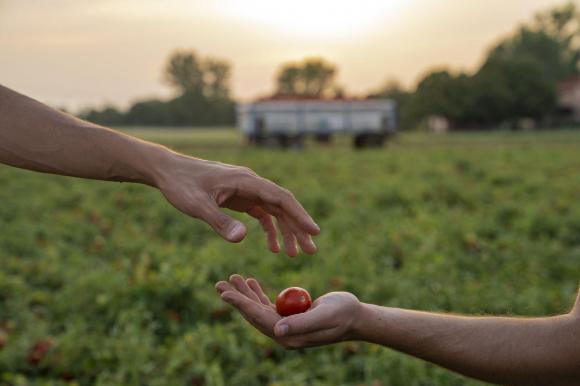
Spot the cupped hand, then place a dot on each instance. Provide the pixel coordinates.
(332, 318)
(200, 188)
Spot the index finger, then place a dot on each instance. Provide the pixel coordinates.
(272, 194)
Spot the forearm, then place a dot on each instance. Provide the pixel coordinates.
(36, 137)
(502, 350)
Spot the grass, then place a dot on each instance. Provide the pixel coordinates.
(188, 137)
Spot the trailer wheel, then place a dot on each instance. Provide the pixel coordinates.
(377, 140)
(258, 139)
(369, 140)
(359, 141)
(283, 141)
(323, 138)
(297, 141)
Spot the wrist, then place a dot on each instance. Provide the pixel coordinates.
(157, 163)
(130, 159)
(360, 322)
(160, 165)
(163, 167)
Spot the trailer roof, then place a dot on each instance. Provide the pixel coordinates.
(295, 98)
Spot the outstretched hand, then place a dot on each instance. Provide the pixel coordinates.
(200, 188)
(196, 187)
(332, 318)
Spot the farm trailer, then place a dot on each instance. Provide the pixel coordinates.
(285, 123)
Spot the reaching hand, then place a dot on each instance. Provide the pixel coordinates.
(332, 318)
(199, 188)
(196, 187)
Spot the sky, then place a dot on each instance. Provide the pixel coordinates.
(77, 53)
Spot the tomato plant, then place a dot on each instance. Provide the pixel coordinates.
(122, 283)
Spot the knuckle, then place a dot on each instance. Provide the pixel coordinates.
(221, 221)
(196, 212)
(223, 195)
(288, 193)
(270, 198)
(273, 210)
(245, 171)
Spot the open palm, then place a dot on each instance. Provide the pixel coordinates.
(331, 318)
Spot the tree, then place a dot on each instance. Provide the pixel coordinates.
(203, 97)
(216, 78)
(203, 86)
(507, 90)
(313, 77)
(519, 76)
(184, 72)
(517, 79)
(441, 93)
(552, 40)
(394, 90)
(563, 24)
(189, 74)
(150, 112)
(108, 115)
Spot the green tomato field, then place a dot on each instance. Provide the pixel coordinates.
(107, 284)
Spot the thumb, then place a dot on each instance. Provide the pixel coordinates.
(310, 321)
(227, 227)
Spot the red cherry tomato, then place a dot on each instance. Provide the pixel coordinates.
(293, 300)
(39, 350)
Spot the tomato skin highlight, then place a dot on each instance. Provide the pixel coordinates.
(293, 300)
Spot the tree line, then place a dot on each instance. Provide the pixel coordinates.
(202, 87)
(517, 80)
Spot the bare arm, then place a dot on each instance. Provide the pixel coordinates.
(35, 137)
(535, 351)
(517, 351)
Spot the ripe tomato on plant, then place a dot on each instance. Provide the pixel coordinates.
(293, 300)
(38, 352)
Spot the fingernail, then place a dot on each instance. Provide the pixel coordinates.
(311, 242)
(282, 329)
(236, 232)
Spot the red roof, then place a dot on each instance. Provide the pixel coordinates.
(294, 98)
(569, 84)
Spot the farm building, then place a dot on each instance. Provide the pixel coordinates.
(286, 122)
(569, 98)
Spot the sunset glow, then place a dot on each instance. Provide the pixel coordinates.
(114, 51)
(325, 18)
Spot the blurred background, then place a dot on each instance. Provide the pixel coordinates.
(472, 207)
(479, 65)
